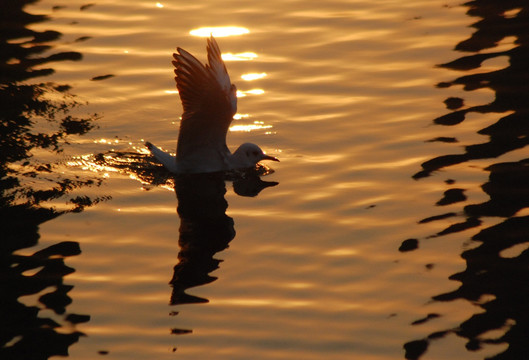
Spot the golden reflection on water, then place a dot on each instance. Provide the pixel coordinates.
(251, 92)
(241, 116)
(257, 125)
(245, 56)
(219, 31)
(269, 303)
(331, 71)
(512, 13)
(341, 252)
(149, 209)
(253, 76)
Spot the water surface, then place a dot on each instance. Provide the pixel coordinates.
(304, 262)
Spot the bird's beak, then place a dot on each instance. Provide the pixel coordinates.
(268, 157)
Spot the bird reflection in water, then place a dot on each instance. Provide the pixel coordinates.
(496, 278)
(31, 124)
(205, 229)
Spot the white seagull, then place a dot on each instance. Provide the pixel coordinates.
(209, 100)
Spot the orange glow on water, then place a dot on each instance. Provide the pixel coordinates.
(253, 76)
(245, 56)
(241, 93)
(257, 125)
(219, 31)
(241, 116)
(315, 257)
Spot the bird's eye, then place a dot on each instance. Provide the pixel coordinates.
(255, 153)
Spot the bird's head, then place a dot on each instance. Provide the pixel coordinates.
(248, 154)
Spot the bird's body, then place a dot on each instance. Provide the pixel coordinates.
(209, 100)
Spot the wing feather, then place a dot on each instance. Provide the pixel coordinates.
(208, 98)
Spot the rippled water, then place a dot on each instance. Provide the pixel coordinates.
(343, 250)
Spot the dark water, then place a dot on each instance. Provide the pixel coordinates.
(310, 261)
(496, 275)
(36, 118)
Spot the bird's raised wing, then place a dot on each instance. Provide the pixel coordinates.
(208, 98)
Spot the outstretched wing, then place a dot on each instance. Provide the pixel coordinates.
(208, 98)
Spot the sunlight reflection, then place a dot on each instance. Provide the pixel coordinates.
(160, 209)
(85, 164)
(251, 92)
(391, 164)
(326, 159)
(253, 76)
(509, 14)
(241, 116)
(219, 31)
(111, 163)
(249, 127)
(341, 252)
(245, 56)
(273, 303)
(106, 141)
(505, 44)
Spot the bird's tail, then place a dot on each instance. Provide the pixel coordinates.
(166, 159)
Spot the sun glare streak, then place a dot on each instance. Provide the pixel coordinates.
(241, 93)
(245, 56)
(257, 125)
(84, 161)
(255, 92)
(253, 76)
(241, 116)
(219, 31)
(106, 141)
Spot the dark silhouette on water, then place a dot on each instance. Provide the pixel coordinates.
(205, 229)
(28, 185)
(510, 84)
(496, 278)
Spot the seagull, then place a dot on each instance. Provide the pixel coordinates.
(209, 100)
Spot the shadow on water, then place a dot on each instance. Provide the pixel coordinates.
(496, 278)
(35, 119)
(205, 229)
